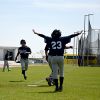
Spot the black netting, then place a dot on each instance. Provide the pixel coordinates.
(89, 48)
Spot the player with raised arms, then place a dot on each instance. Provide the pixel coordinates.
(56, 43)
(49, 79)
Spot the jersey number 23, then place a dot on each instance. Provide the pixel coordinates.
(56, 45)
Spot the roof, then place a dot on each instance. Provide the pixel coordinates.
(8, 47)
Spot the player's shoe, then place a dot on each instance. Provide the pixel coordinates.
(56, 90)
(49, 81)
(25, 77)
(3, 70)
(53, 83)
(9, 70)
(60, 89)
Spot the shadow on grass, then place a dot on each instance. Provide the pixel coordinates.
(44, 92)
(48, 92)
(17, 81)
(42, 86)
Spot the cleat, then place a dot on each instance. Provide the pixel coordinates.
(60, 89)
(49, 81)
(9, 70)
(56, 90)
(25, 77)
(53, 83)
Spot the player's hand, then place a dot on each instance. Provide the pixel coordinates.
(33, 31)
(27, 52)
(71, 47)
(79, 32)
(47, 58)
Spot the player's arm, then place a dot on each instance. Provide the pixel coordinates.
(46, 52)
(74, 35)
(68, 47)
(17, 55)
(29, 51)
(41, 35)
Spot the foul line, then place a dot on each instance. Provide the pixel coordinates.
(37, 83)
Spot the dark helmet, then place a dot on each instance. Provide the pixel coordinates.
(22, 42)
(56, 33)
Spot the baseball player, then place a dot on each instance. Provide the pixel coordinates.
(6, 58)
(48, 58)
(24, 52)
(56, 43)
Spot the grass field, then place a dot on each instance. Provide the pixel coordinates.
(81, 83)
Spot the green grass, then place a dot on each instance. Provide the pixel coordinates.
(80, 83)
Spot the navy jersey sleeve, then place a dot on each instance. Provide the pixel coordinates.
(44, 36)
(19, 49)
(46, 48)
(44, 40)
(28, 50)
(47, 40)
(73, 35)
(66, 39)
(41, 35)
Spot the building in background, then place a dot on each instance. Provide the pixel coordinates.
(13, 51)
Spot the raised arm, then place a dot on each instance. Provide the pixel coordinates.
(77, 33)
(41, 35)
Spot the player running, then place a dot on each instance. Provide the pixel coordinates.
(56, 43)
(24, 52)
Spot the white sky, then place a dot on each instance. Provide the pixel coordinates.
(18, 17)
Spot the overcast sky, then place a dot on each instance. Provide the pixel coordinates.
(18, 17)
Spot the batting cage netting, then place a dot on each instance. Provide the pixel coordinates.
(89, 47)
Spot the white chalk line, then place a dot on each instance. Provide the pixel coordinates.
(36, 84)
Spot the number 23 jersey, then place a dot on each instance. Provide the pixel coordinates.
(56, 45)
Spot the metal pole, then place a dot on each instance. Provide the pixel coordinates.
(88, 42)
(83, 56)
(90, 39)
(73, 49)
(76, 50)
(98, 51)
